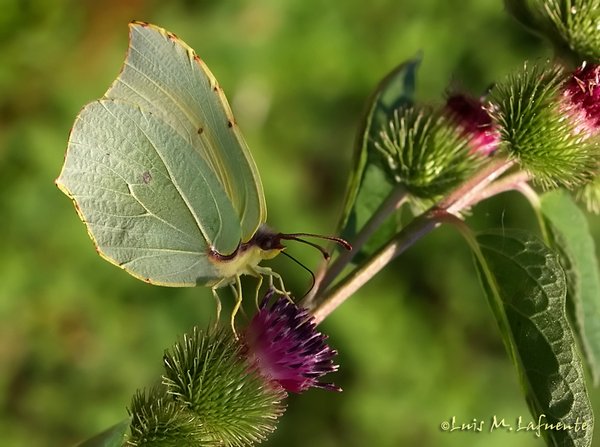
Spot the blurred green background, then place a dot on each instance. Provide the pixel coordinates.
(77, 336)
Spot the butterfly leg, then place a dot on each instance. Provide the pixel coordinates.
(218, 301)
(238, 302)
(260, 281)
(274, 275)
(281, 291)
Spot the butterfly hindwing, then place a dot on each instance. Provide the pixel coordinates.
(148, 198)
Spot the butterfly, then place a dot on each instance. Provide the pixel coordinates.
(162, 177)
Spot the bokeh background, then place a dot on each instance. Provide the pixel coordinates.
(78, 336)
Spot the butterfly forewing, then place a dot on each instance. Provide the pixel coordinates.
(163, 75)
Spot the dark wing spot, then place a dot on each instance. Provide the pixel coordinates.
(146, 177)
(140, 22)
(200, 130)
(230, 124)
(216, 88)
(171, 35)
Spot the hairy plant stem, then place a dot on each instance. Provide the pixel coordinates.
(327, 275)
(508, 183)
(468, 194)
(534, 201)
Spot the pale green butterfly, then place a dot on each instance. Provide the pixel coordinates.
(160, 173)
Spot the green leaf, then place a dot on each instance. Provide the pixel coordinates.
(526, 287)
(572, 238)
(111, 437)
(369, 184)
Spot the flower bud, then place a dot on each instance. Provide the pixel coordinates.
(223, 391)
(589, 195)
(159, 420)
(285, 348)
(475, 123)
(582, 99)
(429, 152)
(548, 122)
(571, 26)
(209, 376)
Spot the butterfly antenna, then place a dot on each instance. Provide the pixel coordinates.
(312, 275)
(325, 253)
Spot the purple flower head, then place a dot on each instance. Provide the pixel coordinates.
(581, 96)
(475, 122)
(284, 346)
